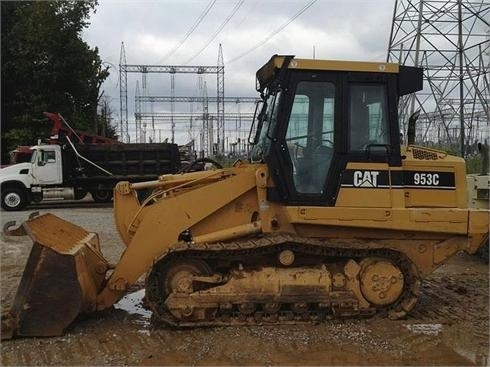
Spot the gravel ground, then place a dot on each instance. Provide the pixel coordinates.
(449, 325)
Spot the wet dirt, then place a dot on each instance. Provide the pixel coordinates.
(449, 325)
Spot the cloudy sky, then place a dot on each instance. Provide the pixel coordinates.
(188, 32)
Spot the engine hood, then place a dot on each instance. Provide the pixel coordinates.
(20, 169)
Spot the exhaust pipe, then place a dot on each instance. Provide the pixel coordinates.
(411, 127)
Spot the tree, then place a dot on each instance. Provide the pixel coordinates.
(104, 121)
(46, 66)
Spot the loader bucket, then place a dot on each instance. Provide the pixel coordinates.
(64, 272)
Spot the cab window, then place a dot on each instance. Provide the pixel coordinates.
(46, 156)
(265, 127)
(309, 137)
(368, 116)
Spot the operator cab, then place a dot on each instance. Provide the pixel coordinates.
(317, 115)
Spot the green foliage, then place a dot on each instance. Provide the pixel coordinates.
(46, 66)
(473, 164)
(474, 160)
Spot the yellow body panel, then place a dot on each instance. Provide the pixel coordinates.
(352, 197)
(370, 198)
(434, 220)
(478, 187)
(337, 65)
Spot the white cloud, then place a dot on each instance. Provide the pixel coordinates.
(150, 47)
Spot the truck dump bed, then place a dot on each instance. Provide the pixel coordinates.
(123, 161)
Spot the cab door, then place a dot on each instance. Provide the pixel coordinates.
(310, 136)
(47, 166)
(372, 141)
(307, 139)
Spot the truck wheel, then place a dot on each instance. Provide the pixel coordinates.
(13, 199)
(80, 194)
(102, 196)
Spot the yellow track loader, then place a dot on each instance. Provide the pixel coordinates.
(331, 217)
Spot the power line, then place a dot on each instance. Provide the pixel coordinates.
(220, 28)
(273, 33)
(191, 30)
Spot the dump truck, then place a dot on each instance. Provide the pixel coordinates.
(70, 171)
(330, 218)
(60, 129)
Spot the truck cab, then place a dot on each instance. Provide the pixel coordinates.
(47, 165)
(21, 183)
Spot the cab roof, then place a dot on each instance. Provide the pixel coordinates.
(268, 72)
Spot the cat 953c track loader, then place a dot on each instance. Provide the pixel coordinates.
(332, 217)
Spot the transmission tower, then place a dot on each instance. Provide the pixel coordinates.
(137, 113)
(144, 69)
(123, 96)
(220, 88)
(449, 39)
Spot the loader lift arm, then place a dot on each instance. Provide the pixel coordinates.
(157, 227)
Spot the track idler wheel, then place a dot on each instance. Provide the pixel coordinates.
(393, 286)
(180, 276)
(169, 284)
(381, 281)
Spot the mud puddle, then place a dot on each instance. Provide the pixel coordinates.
(350, 342)
(133, 304)
(454, 342)
(125, 336)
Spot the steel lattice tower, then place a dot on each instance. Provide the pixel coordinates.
(220, 88)
(125, 68)
(123, 96)
(450, 40)
(137, 112)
